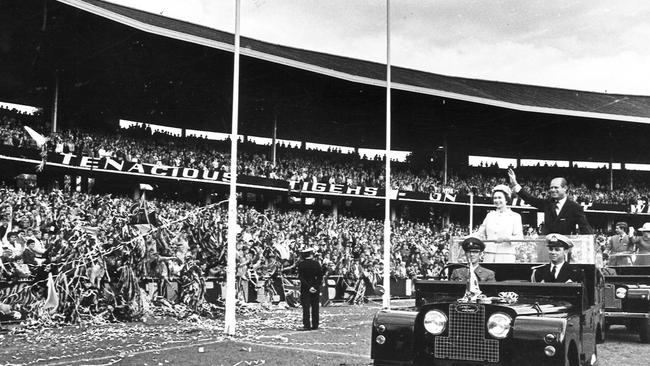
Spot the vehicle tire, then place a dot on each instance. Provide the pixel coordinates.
(601, 334)
(573, 358)
(644, 330)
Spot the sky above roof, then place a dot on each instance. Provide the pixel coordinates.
(594, 45)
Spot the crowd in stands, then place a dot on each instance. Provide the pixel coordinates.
(38, 227)
(139, 144)
(168, 239)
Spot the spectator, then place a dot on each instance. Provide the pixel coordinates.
(618, 245)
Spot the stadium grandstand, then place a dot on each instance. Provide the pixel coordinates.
(306, 121)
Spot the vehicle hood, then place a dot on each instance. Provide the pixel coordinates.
(537, 309)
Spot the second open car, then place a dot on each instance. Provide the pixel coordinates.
(627, 293)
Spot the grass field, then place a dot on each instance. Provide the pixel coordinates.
(267, 337)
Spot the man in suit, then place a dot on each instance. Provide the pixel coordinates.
(558, 270)
(620, 246)
(561, 215)
(311, 277)
(473, 248)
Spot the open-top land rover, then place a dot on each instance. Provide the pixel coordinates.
(513, 321)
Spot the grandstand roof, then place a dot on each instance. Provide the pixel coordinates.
(520, 97)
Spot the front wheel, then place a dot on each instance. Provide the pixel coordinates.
(644, 330)
(601, 333)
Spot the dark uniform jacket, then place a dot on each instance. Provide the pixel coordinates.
(482, 274)
(563, 223)
(567, 272)
(310, 273)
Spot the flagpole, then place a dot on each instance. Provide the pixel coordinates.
(275, 138)
(55, 103)
(230, 320)
(471, 211)
(386, 296)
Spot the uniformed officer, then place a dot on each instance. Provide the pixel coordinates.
(473, 248)
(558, 269)
(311, 277)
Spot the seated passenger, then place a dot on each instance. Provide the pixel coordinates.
(473, 248)
(558, 270)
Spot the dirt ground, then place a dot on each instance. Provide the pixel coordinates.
(264, 338)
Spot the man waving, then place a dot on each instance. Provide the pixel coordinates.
(561, 215)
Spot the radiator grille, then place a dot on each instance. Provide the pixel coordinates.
(611, 302)
(466, 339)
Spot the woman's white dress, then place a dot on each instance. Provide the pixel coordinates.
(497, 226)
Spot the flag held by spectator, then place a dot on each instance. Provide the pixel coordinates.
(143, 229)
(283, 249)
(139, 214)
(91, 230)
(52, 301)
(450, 197)
(146, 187)
(40, 139)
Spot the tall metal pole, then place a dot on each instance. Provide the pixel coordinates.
(445, 147)
(230, 321)
(275, 138)
(386, 297)
(55, 102)
(611, 173)
(471, 211)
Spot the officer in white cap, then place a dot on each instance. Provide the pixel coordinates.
(558, 269)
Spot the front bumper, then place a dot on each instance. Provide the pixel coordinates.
(624, 314)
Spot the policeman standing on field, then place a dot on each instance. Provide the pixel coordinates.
(311, 277)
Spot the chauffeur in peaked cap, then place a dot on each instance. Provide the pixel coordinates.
(473, 248)
(472, 243)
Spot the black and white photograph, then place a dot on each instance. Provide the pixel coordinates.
(324, 182)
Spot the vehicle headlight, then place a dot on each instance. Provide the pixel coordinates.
(549, 338)
(621, 292)
(549, 351)
(435, 321)
(499, 325)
